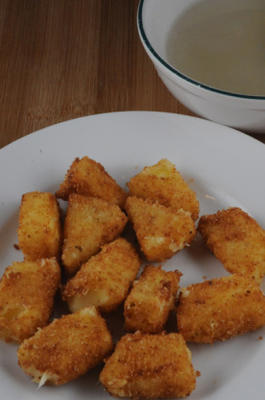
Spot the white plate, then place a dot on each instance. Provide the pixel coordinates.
(225, 168)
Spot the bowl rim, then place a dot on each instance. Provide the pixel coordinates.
(175, 71)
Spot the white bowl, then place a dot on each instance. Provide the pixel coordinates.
(155, 19)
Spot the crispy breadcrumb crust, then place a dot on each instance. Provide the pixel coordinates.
(89, 224)
(39, 231)
(105, 279)
(236, 240)
(163, 183)
(160, 231)
(89, 178)
(152, 297)
(67, 348)
(149, 366)
(27, 292)
(220, 308)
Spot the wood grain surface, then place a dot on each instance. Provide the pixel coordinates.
(62, 59)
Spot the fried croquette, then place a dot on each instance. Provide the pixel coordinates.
(105, 279)
(66, 349)
(160, 231)
(89, 224)
(236, 240)
(27, 292)
(149, 367)
(163, 183)
(89, 178)
(39, 231)
(152, 297)
(220, 308)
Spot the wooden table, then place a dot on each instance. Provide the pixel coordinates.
(62, 59)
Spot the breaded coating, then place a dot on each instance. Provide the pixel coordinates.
(89, 224)
(27, 292)
(163, 183)
(89, 178)
(236, 240)
(66, 349)
(160, 231)
(39, 231)
(152, 297)
(149, 367)
(105, 279)
(220, 308)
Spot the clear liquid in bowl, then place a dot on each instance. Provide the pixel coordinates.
(221, 45)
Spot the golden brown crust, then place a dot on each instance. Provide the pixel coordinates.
(149, 366)
(89, 178)
(220, 309)
(163, 183)
(161, 232)
(90, 223)
(236, 240)
(27, 292)
(105, 279)
(67, 348)
(152, 297)
(39, 231)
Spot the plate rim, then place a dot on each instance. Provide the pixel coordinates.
(200, 120)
